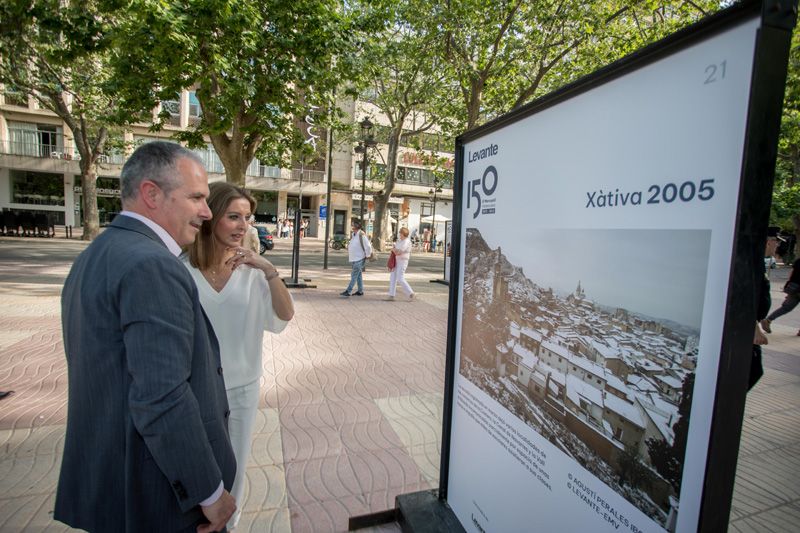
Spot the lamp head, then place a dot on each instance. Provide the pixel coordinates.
(366, 126)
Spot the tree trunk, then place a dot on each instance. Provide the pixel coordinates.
(474, 104)
(236, 153)
(89, 149)
(381, 200)
(91, 216)
(229, 151)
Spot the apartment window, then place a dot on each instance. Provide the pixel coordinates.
(413, 175)
(377, 172)
(369, 94)
(15, 97)
(194, 109)
(173, 107)
(114, 152)
(211, 160)
(426, 210)
(35, 140)
(262, 170)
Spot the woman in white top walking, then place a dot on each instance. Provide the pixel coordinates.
(242, 294)
(402, 253)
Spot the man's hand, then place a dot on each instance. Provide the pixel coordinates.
(759, 337)
(218, 513)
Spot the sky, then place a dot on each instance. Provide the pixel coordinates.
(660, 273)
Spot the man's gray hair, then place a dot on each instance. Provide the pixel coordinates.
(155, 161)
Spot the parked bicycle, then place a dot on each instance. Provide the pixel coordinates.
(338, 242)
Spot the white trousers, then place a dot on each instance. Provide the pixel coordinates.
(243, 404)
(398, 275)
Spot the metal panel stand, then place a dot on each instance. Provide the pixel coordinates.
(415, 512)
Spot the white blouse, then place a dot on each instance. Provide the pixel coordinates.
(404, 245)
(239, 313)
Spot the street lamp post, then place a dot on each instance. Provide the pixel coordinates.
(367, 141)
(432, 193)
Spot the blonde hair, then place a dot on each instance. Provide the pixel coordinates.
(404, 232)
(202, 251)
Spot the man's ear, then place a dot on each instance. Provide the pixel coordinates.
(150, 193)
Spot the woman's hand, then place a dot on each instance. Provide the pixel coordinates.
(243, 256)
(281, 300)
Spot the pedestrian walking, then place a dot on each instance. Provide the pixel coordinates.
(243, 295)
(146, 445)
(792, 290)
(763, 303)
(251, 240)
(358, 249)
(402, 253)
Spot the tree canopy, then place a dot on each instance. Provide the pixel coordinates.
(504, 54)
(402, 76)
(786, 192)
(258, 68)
(58, 54)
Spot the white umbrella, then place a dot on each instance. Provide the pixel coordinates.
(439, 219)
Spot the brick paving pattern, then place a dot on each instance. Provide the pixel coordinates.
(351, 406)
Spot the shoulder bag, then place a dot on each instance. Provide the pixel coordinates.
(371, 257)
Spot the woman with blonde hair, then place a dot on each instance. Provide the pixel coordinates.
(242, 294)
(402, 253)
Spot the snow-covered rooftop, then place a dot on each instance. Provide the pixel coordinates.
(527, 357)
(577, 388)
(624, 409)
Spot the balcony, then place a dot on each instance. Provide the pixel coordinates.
(315, 176)
(28, 144)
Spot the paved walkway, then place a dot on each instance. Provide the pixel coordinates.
(352, 397)
(767, 492)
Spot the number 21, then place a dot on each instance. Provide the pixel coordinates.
(715, 72)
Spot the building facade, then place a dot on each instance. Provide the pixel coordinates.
(40, 174)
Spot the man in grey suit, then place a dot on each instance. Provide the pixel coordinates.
(146, 445)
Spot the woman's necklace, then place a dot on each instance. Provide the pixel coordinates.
(217, 276)
(212, 273)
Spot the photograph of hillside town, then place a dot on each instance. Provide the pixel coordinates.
(609, 385)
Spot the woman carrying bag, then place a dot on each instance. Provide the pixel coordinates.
(401, 253)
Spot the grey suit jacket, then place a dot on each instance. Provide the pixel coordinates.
(146, 436)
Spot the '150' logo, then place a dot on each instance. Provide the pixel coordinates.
(488, 184)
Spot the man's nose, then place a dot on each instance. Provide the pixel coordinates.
(205, 213)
